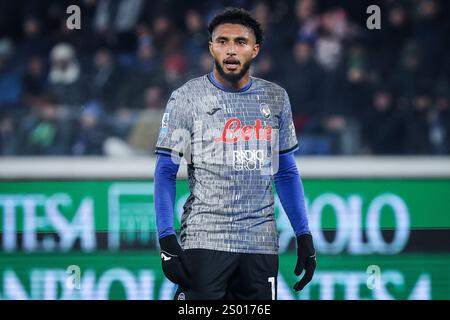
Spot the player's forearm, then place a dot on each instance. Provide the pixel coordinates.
(164, 194)
(290, 191)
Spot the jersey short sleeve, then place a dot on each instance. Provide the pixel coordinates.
(287, 137)
(176, 127)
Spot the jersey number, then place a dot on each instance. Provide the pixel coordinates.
(272, 285)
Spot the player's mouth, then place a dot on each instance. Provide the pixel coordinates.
(231, 64)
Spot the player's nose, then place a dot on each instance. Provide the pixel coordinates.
(231, 49)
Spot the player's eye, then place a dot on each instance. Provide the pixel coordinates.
(221, 41)
(241, 42)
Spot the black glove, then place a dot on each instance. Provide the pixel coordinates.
(306, 259)
(175, 265)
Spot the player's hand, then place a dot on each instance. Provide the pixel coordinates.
(175, 264)
(306, 259)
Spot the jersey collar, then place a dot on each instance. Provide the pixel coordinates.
(222, 87)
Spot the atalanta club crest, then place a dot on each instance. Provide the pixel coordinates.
(265, 110)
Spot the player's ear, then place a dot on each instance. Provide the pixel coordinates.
(256, 48)
(210, 47)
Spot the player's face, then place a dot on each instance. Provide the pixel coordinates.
(233, 47)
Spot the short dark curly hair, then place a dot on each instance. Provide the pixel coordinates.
(237, 16)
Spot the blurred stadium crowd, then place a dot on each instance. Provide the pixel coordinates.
(101, 90)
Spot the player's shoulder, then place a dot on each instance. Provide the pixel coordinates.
(272, 86)
(190, 87)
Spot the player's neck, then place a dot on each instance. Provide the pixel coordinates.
(235, 86)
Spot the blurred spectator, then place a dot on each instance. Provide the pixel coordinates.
(175, 70)
(204, 65)
(33, 42)
(168, 40)
(148, 58)
(407, 78)
(145, 132)
(196, 37)
(146, 71)
(418, 123)
(90, 132)
(390, 40)
(273, 39)
(382, 125)
(105, 78)
(337, 119)
(43, 132)
(334, 28)
(54, 12)
(307, 18)
(329, 54)
(65, 77)
(206, 62)
(7, 135)
(116, 19)
(34, 80)
(10, 84)
(119, 15)
(302, 80)
(357, 89)
(428, 32)
(264, 67)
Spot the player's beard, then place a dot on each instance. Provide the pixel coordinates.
(233, 77)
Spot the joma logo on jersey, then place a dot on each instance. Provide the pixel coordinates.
(232, 132)
(248, 159)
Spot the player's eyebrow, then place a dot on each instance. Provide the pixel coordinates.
(238, 38)
(222, 38)
(241, 38)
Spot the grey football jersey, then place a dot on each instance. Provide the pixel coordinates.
(231, 141)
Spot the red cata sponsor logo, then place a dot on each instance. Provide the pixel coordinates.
(232, 131)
